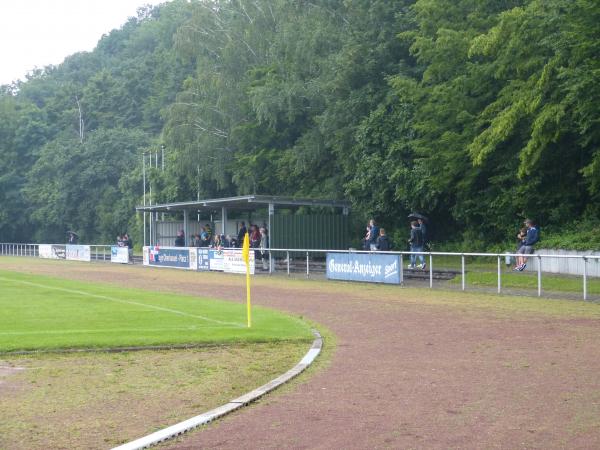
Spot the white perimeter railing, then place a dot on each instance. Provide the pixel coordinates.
(102, 253)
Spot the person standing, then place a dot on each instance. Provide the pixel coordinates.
(531, 238)
(373, 235)
(383, 242)
(423, 228)
(241, 234)
(264, 248)
(416, 246)
(180, 239)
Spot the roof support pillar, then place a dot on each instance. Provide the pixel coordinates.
(224, 220)
(185, 226)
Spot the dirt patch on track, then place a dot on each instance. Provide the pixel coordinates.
(413, 369)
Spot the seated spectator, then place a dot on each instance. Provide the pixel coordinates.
(521, 235)
(180, 239)
(531, 238)
(383, 242)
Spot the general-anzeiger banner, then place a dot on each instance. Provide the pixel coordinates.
(369, 267)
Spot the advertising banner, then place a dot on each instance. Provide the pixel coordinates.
(45, 251)
(78, 253)
(215, 259)
(203, 259)
(119, 255)
(177, 257)
(371, 267)
(49, 251)
(233, 262)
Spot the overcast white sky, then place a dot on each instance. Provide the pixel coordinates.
(35, 33)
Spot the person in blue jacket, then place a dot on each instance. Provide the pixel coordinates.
(531, 238)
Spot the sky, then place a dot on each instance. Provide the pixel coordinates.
(35, 33)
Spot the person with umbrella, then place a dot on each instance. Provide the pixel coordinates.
(416, 246)
(422, 224)
(72, 237)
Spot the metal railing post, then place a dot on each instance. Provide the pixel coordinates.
(499, 276)
(539, 276)
(462, 271)
(401, 268)
(307, 264)
(585, 278)
(288, 262)
(270, 262)
(430, 271)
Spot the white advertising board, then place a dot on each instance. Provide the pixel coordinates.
(233, 262)
(45, 251)
(119, 255)
(78, 253)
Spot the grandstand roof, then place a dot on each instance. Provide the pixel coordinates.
(243, 203)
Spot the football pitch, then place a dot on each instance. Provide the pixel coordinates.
(45, 313)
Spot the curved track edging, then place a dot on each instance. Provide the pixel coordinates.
(207, 417)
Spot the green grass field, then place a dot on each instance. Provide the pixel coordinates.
(44, 313)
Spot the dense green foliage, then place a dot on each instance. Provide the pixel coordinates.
(478, 113)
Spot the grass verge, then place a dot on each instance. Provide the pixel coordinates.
(99, 400)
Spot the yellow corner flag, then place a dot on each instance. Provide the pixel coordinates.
(246, 258)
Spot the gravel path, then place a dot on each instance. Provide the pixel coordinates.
(408, 374)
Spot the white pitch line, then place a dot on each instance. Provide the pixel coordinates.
(118, 300)
(104, 330)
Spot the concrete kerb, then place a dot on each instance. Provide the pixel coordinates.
(207, 417)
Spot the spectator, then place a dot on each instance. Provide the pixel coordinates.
(72, 238)
(128, 242)
(373, 235)
(383, 242)
(264, 246)
(204, 238)
(423, 228)
(531, 238)
(521, 235)
(209, 232)
(241, 233)
(217, 243)
(196, 240)
(180, 239)
(416, 245)
(367, 239)
(119, 241)
(254, 236)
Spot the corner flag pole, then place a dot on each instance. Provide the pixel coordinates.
(246, 258)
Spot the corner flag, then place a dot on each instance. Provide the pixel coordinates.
(246, 258)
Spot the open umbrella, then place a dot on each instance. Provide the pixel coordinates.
(416, 216)
(73, 233)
